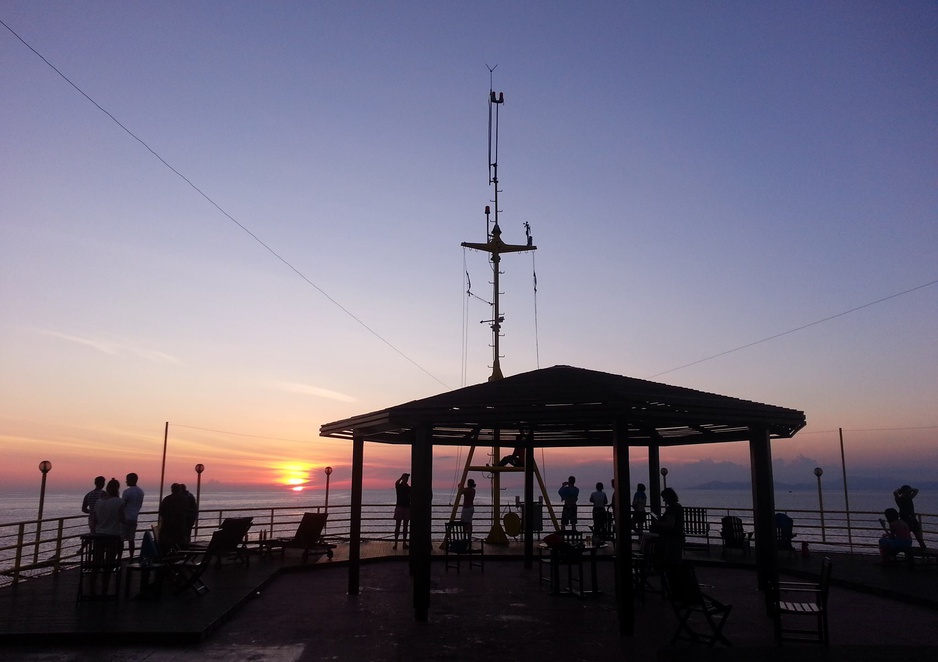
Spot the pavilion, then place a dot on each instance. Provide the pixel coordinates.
(564, 407)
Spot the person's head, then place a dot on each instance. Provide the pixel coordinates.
(99, 482)
(669, 496)
(113, 487)
(599, 486)
(904, 489)
(131, 479)
(405, 477)
(892, 514)
(571, 480)
(641, 487)
(182, 488)
(471, 483)
(175, 488)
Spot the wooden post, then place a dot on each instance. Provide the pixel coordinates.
(421, 518)
(625, 589)
(355, 524)
(763, 499)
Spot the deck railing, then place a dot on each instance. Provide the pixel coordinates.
(32, 548)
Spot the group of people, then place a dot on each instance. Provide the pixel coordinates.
(900, 524)
(112, 513)
(115, 513)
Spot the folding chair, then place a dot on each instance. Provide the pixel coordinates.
(686, 598)
(459, 543)
(185, 568)
(100, 562)
(813, 609)
(734, 537)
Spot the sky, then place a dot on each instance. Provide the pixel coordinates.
(244, 220)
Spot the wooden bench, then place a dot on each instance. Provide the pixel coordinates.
(696, 525)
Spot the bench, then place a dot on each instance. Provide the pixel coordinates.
(696, 525)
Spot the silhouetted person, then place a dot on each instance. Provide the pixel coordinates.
(898, 537)
(173, 513)
(133, 502)
(599, 501)
(903, 497)
(468, 505)
(569, 493)
(670, 528)
(639, 500)
(87, 504)
(401, 508)
(192, 511)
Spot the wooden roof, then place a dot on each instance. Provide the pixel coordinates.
(565, 406)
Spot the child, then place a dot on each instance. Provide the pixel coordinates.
(898, 537)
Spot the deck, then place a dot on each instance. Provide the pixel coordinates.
(281, 604)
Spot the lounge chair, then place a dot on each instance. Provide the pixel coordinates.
(308, 537)
(686, 598)
(232, 546)
(734, 537)
(784, 532)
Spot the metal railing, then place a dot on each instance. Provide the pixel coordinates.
(37, 547)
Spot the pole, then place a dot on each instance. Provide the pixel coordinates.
(843, 464)
(818, 471)
(163, 470)
(45, 467)
(328, 471)
(199, 468)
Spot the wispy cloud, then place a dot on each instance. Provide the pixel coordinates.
(306, 389)
(116, 347)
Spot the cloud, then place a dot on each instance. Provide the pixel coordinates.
(306, 389)
(116, 347)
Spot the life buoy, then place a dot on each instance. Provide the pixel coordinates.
(512, 524)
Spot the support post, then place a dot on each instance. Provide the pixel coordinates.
(528, 514)
(421, 518)
(763, 499)
(625, 589)
(355, 525)
(654, 478)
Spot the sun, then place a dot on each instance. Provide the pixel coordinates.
(294, 475)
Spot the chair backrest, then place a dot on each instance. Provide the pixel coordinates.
(827, 567)
(733, 528)
(233, 531)
(784, 530)
(101, 552)
(309, 532)
(682, 584)
(695, 521)
(571, 537)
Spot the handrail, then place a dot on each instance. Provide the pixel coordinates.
(57, 547)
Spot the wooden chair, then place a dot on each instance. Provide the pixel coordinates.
(232, 545)
(645, 565)
(100, 563)
(696, 525)
(459, 543)
(734, 537)
(815, 608)
(308, 537)
(784, 532)
(185, 568)
(566, 553)
(686, 597)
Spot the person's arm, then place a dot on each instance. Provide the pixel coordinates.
(85, 508)
(913, 492)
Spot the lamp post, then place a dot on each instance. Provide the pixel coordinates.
(328, 471)
(818, 471)
(199, 468)
(45, 467)
(664, 475)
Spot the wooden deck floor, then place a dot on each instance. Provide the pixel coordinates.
(46, 607)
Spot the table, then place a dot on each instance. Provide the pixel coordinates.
(151, 579)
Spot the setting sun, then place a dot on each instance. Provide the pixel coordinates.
(294, 475)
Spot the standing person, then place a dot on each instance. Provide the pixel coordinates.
(173, 509)
(108, 513)
(638, 506)
(599, 501)
(192, 511)
(903, 497)
(670, 527)
(569, 493)
(898, 537)
(133, 502)
(87, 504)
(468, 505)
(402, 508)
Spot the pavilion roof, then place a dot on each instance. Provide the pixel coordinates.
(564, 406)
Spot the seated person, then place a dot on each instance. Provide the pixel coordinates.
(898, 537)
(516, 459)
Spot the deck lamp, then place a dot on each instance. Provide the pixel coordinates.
(199, 468)
(45, 467)
(664, 475)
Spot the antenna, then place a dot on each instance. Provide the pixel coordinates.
(494, 244)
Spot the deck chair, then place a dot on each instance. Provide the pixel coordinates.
(645, 565)
(232, 546)
(785, 610)
(784, 532)
(687, 599)
(459, 544)
(734, 537)
(564, 551)
(185, 568)
(100, 563)
(308, 537)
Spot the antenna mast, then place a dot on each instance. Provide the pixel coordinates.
(494, 244)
